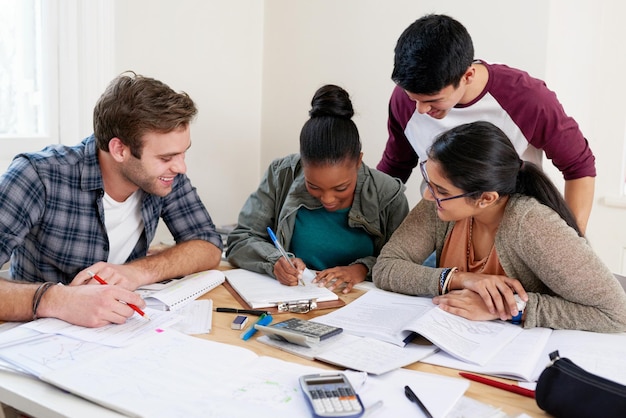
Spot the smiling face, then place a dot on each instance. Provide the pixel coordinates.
(438, 105)
(162, 158)
(332, 184)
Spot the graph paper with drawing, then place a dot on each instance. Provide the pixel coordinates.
(175, 375)
(44, 353)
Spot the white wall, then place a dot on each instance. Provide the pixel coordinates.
(586, 63)
(213, 51)
(253, 67)
(350, 43)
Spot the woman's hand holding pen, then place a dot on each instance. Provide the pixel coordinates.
(346, 276)
(286, 274)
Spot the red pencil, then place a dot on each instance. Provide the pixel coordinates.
(134, 307)
(500, 385)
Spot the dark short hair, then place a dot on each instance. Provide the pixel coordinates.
(330, 136)
(133, 105)
(432, 53)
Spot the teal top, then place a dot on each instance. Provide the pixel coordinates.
(378, 208)
(323, 239)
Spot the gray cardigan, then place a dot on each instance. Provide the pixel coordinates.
(379, 207)
(569, 287)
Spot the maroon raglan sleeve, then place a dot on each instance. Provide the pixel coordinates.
(537, 111)
(399, 158)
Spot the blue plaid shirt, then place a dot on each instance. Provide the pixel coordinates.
(52, 218)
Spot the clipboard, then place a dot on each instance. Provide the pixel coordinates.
(273, 310)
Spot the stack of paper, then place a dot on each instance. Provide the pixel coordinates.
(174, 375)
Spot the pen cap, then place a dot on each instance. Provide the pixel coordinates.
(264, 320)
(272, 236)
(249, 332)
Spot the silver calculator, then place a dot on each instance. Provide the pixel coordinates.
(331, 395)
(299, 331)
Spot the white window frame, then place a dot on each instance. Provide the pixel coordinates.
(87, 63)
(12, 145)
(78, 55)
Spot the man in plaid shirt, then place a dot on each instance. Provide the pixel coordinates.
(69, 212)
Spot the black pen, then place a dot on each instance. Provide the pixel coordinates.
(413, 398)
(244, 311)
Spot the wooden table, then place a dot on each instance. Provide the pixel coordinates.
(511, 403)
(40, 399)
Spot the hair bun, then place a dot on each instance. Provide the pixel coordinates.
(331, 100)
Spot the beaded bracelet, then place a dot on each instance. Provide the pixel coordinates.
(43, 288)
(442, 280)
(446, 284)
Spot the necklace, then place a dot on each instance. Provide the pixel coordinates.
(469, 245)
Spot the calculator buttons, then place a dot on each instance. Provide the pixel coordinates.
(331, 396)
(313, 329)
(341, 400)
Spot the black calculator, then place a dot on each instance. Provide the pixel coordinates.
(299, 331)
(330, 395)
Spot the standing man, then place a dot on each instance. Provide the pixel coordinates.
(94, 207)
(440, 86)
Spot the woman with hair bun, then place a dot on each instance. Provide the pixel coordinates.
(328, 209)
(507, 245)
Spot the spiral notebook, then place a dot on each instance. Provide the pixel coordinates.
(176, 293)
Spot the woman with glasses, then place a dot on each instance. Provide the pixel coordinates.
(507, 245)
(327, 208)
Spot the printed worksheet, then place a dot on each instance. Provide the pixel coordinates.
(116, 335)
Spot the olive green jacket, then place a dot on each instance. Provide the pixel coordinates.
(378, 208)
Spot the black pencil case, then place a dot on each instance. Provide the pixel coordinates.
(566, 390)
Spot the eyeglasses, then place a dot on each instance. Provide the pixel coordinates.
(432, 191)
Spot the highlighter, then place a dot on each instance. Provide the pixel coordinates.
(264, 319)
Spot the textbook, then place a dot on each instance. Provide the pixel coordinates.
(527, 355)
(174, 294)
(495, 348)
(262, 291)
(397, 318)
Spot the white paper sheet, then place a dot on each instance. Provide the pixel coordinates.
(173, 375)
(197, 317)
(116, 335)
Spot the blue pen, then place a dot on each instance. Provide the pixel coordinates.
(281, 249)
(264, 319)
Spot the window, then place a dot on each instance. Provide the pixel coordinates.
(56, 58)
(28, 86)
